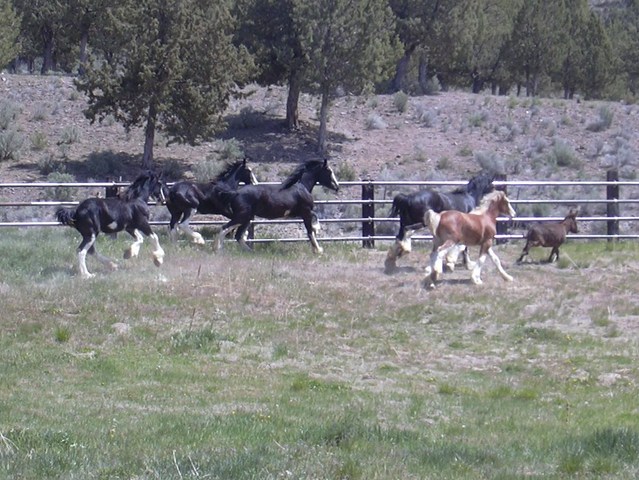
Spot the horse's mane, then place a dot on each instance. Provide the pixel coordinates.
(294, 177)
(229, 168)
(140, 186)
(488, 199)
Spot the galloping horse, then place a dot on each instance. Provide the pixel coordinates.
(184, 197)
(452, 229)
(292, 199)
(550, 235)
(129, 212)
(412, 207)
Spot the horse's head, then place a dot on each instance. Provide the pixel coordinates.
(148, 184)
(571, 221)
(245, 174)
(480, 185)
(498, 202)
(326, 177)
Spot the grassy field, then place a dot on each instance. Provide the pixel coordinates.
(283, 365)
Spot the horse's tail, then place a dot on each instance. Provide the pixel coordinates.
(431, 220)
(400, 204)
(66, 216)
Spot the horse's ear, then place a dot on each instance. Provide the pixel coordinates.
(325, 162)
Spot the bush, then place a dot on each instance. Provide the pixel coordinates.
(8, 114)
(375, 122)
(427, 117)
(39, 141)
(104, 164)
(400, 100)
(604, 121)
(60, 193)
(70, 135)
(491, 163)
(563, 155)
(10, 145)
(48, 164)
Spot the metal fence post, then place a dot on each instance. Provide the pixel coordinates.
(368, 214)
(612, 208)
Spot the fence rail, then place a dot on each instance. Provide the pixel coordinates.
(363, 193)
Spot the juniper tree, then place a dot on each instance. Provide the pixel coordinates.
(9, 31)
(348, 43)
(173, 69)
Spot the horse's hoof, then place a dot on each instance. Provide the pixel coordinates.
(128, 254)
(87, 276)
(112, 266)
(158, 261)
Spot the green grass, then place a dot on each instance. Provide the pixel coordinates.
(281, 364)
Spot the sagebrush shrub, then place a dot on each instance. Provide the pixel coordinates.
(375, 122)
(8, 114)
(604, 121)
(60, 193)
(10, 145)
(400, 100)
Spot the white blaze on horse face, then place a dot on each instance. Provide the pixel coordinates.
(333, 178)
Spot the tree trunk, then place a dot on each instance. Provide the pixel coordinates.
(48, 44)
(321, 140)
(292, 101)
(422, 76)
(84, 40)
(401, 70)
(149, 137)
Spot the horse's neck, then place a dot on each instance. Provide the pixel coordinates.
(307, 180)
(230, 179)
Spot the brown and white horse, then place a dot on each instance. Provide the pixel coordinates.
(453, 230)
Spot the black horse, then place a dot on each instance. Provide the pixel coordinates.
(412, 207)
(128, 212)
(292, 198)
(185, 197)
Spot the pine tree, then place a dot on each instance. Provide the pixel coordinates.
(174, 74)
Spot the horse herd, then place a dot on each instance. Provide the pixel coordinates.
(458, 219)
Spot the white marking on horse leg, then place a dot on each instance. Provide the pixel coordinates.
(316, 246)
(405, 245)
(242, 242)
(315, 224)
(452, 255)
(500, 269)
(112, 226)
(158, 252)
(219, 240)
(195, 236)
(476, 275)
(82, 259)
(467, 261)
(134, 249)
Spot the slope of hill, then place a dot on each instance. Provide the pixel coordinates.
(451, 135)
